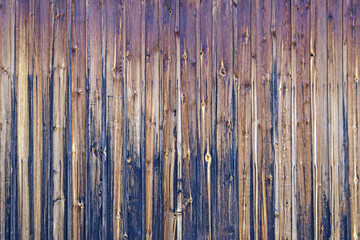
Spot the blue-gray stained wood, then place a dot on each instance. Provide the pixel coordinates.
(7, 123)
(179, 119)
(189, 115)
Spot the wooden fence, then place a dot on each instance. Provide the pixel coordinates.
(179, 119)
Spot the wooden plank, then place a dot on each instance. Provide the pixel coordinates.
(284, 207)
(7, 25)
(351, 76)
(105, 204)
(69, 164)
(78, 79)
(225, 195)
(302, 118)
(134, 78)
(143, 124)
(213, 154)
(294, 233)
(246, 227)
(31, 79)
(206, 96)
(152, 121)
(179, 163)
(338, 159)
(43, 40)
(189, 116)
(170, 116)
(199, 157)
(264, 158)
(253, 32)
(319, 114)
(159, 230)
(94, 166)
(13, 183)
(23, 68)
(114, 113)
(345, 143)
(60, 92)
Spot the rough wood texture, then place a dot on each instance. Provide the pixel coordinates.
(134, 134)
(319, 119)
(42, 115)
(60, 112)
(189, 127)
(224, 179)
(94, 167)
(243, 75)
(338, 155)
(22, 214)
(170, 114)
(351, 77)
(79, 94)
(205, 41)
(283, 148)
(153, 177)
(114, 114)
(7, 44)
(179, 119)
(305, 193)
(262, 82)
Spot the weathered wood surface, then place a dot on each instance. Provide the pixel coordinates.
(179, 119)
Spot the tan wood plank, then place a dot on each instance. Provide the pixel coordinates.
(115, 53)
(60, 92)
(79, 94)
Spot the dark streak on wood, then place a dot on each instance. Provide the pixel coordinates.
(105, 167)
(225, 195)
(31, 152)
(125, 125)
(189, 128)
(134, 81)
(159, 189)
(68, 166)
(96, 162)
(214, 111)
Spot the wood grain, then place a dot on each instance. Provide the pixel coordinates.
(204, 29)
(94, 188)
(351, 66)
(337, 147)
(135, 91)
(246, 227)
(23, 68)
(115, 98)
(302, 119)
(60, 112)
(179, 119)
(189, 127)
(6, 124)
(319, 114)
(225, 179)
(170, 115)
(283, 153)
(42, 115)
(264, 152)
(79, 77)
(152, 119)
